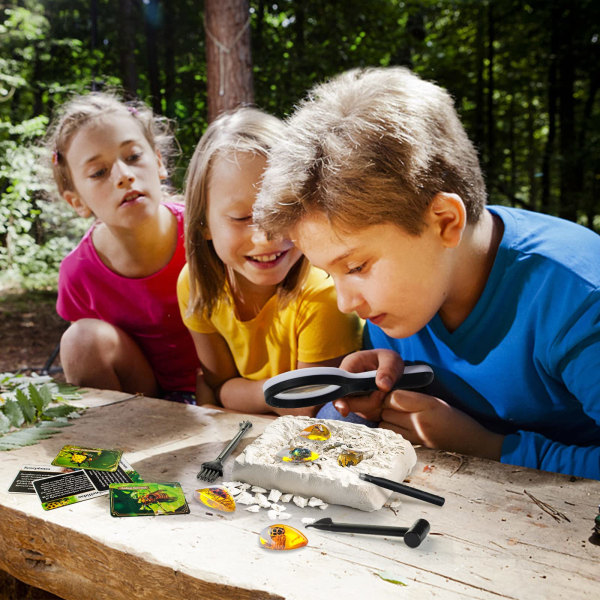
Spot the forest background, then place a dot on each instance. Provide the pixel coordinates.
(524, 75)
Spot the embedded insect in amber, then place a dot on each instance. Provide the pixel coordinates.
(318, 431)
(216, 497)
(282, 537)
(349, 458)
(297, 454)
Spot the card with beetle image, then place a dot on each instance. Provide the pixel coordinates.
(147, 499)
(95, 459)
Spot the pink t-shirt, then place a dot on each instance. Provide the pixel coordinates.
(145, 308)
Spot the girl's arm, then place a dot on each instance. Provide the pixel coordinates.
(223, 384)
(238, 393)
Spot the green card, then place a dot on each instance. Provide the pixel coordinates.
(147, 499)
(95, 459)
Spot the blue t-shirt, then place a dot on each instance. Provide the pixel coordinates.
(526, 361)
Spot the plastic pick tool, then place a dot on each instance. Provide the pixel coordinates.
(413, 535)
(317, 385)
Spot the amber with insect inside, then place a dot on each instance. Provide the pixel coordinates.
(349, 458)
(318, 431)
(297, 454)
(216, 497)
(282, 537)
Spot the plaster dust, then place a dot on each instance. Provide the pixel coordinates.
(387, 454)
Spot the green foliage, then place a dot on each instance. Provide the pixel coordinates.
(33, 408)
(35, 232)
(525, 77)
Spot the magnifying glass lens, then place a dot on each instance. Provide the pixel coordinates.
(306, 391)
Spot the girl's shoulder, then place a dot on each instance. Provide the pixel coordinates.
(175, 204)
(317, 284)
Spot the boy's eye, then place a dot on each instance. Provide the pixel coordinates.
(241, 219)
(134, 157)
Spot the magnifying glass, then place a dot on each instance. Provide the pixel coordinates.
(317, 385)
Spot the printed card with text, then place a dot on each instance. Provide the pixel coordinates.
(67, 488)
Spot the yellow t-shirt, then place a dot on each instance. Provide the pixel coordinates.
(309, 329)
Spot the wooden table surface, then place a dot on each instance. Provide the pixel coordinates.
(490, 540)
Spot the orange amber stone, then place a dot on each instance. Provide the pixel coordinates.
(318, 431)
(282, 537)
(216, 497)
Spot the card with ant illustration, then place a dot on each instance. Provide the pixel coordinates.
(147, 499)
(95, 459)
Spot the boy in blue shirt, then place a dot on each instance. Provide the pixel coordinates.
(378, 184)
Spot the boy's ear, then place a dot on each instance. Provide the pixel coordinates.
(162, 169)
(77, 203)
(448, 214)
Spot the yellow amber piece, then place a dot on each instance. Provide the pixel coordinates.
(349, 458)
(318, 431)
(282, 537)
(216, 497)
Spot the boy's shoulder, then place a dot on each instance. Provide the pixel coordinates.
(561, 244)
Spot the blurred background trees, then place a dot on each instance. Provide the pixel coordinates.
(524, 74)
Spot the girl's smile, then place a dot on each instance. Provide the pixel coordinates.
(261, 263)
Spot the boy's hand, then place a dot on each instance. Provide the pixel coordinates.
(429, 421)
(389, 366)
(388, 363)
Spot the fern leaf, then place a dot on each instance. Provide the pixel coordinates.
(29, 436)
(14, 413)
(26, 406)
(59, 411)
(40, 397)
(4, 423)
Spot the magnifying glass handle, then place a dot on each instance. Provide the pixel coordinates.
(414, 376)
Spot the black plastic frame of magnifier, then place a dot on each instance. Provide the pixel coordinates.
(336, 383)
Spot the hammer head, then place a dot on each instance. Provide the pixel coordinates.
(416, 533)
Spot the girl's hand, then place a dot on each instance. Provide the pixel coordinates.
(429, 421)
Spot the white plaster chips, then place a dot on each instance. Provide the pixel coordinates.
(390, 455)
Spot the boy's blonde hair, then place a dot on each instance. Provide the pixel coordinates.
(81, 110)
(368, 147)
(247, 130)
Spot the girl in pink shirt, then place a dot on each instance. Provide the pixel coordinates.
(118, 287)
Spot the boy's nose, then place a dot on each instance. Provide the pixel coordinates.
(348, 300)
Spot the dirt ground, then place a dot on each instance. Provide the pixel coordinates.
(30, 329)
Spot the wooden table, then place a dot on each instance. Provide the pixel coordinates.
(490, 540)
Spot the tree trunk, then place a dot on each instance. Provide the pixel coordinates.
(490, 125)
(569, 152)
(545, 206)
(228, 55)
(169, 32)
(152, 15)
(127, 28)
(479, 125)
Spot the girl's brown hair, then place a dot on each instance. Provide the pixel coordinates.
(246, 130)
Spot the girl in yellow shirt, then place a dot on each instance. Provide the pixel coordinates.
(254, 306)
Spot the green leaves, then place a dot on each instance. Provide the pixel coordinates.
(33, 409)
